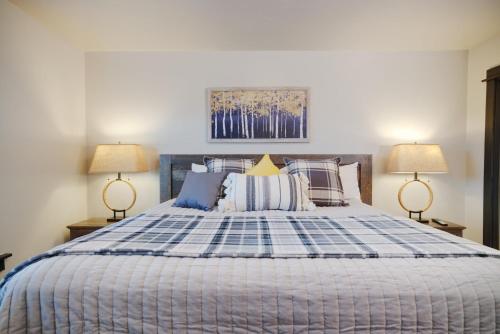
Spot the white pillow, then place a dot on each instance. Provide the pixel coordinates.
(348, 177)
(199, 168)
(287, 192)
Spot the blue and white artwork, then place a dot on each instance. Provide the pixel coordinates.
(276, 114)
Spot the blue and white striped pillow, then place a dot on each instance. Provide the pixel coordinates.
(256, 193)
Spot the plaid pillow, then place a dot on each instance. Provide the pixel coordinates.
(325, 187)
(217, 165)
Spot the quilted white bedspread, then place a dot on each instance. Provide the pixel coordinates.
(156, 294)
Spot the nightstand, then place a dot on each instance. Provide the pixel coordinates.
(86, 226)
(452, 228)
(2, 260)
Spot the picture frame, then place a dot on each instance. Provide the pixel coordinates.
(258, 114)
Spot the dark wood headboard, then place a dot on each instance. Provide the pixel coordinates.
(173, 169)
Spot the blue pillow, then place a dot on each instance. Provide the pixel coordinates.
(200, 190)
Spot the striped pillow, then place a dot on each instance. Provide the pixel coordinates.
(325, 187)
(217, 165)
(257, 193)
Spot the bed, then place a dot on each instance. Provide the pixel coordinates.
(182, 270)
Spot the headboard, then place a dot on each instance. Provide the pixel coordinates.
(173, 169)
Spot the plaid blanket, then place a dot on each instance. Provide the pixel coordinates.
(130, 293)
(173, 235)
(380, 236)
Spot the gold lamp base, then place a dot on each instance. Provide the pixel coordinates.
(115, 217)
(418, 211)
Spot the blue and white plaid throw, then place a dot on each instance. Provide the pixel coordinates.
(174, 235)
(266, 236)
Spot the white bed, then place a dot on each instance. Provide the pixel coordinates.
(141, 293)
(348, 269)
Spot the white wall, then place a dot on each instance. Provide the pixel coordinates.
(361, 102)
(481, 58)
(42, 136)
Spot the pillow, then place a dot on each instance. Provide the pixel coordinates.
(325, 187)
(349, 179)
(265, 167)
(199, 168)
(275, 192)
(216, 165)
(200, 190)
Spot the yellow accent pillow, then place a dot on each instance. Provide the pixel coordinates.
(265, 167)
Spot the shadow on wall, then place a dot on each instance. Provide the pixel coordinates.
(471, 171)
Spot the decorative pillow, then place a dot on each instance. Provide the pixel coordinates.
(325, 187)
(265, 167)
(198, 168)
(348, 178)
(256, 193)
(200, 190)
(216, 165)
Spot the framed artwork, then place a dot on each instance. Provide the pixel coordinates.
(258, 114)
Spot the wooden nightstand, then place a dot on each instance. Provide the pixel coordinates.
(452, 228)
(86, 226)
(2, 260)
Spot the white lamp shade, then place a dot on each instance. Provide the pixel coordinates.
(118, 158)
(417, 158)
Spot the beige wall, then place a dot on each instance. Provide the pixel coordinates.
(481, 58)
(361, 102)
(42, 136)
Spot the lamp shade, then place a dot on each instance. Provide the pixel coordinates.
(417, 158)
(118, 158)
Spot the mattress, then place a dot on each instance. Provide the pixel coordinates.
(96, 288)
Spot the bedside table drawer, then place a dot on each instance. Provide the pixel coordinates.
(86, 227)
(458, 233)
(73, 234)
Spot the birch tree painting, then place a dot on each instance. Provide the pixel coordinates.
(258, 114)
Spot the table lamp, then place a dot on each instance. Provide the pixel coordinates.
(118, 158)
(416, 158)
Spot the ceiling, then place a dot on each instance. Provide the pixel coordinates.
(161, 25)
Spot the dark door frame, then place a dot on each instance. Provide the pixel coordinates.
(492, 159)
